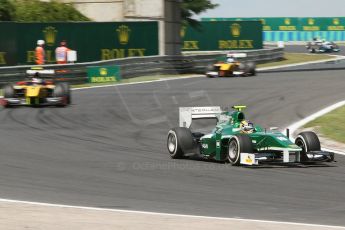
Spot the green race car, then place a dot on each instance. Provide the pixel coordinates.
(238, 141)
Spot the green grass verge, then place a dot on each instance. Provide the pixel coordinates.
(132, 80)
(331, 125)
(294, 58)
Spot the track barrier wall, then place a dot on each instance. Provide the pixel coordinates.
(140, 66)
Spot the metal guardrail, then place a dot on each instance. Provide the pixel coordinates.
(191, 62)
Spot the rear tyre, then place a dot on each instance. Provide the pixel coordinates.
(9, 91)
(308, 141)
(59, 91)
(253, 72)
(251, 68)
(67, 90)
(239, 144)
(210, 67)
(179, 142)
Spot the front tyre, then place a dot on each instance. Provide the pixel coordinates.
(308, 141)
(210, 70)
(179, 142)
(239, 144)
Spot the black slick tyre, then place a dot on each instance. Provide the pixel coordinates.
(239, 144)
(308, 141)
(67, 90)
(8, 91)
(179, 142)
(251, 69)
(210, 68)
(59, 91)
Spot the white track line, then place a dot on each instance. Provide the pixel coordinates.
(333, 150)
(336, 58)
(166, 214)
(293, 127)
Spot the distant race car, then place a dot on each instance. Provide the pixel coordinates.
(232, 67)
(318, 46)
(240, 142)
(39, 88)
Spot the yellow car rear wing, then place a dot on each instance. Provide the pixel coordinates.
(239, 107)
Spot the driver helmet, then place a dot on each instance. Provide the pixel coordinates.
(40, 42)
(247, 126)
(37, 80)
(230, 59)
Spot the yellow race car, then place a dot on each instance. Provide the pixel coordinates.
(232, 67)
(38, 89)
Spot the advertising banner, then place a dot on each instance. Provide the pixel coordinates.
(93, 41)
(297, 28)
(103, 74)
(294, 23)
(222, 35)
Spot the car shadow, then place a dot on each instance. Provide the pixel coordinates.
(267, 165)
(292, 165)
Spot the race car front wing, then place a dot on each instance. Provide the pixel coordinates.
(288, 157)
(27, 101)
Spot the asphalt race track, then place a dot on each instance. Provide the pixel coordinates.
(109, 150)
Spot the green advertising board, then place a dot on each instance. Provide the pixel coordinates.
(8, 41)
(222, 35)
(322, 24)
(93, 41)
(294, 23)
(103, 74)
(297, 28)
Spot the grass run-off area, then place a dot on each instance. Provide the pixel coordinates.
(132, 80)
(294, 58)
(331, 125)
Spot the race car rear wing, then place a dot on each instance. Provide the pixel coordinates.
(187, 114)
